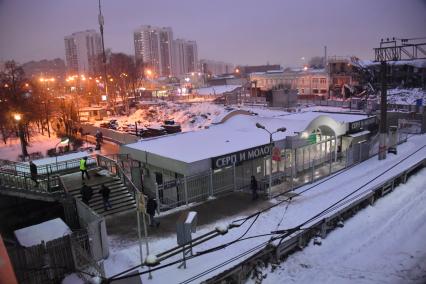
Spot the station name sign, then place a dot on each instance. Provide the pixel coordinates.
(241, 156)
(362, 124)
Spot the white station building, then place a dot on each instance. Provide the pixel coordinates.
(198, 164)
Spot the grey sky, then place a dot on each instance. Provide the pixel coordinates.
(236, 31)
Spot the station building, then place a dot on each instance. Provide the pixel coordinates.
(193, 166)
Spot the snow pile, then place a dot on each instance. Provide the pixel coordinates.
(406, 96)
(38, 143)
(46, 231)
(189, 116)
(381, 244)
(72, 279)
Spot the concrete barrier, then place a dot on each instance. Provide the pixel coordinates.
(109, 134)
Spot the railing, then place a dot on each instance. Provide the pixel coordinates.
(18, 175)
(195, 188)
(115, 168)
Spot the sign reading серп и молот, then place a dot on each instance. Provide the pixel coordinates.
(241, 156)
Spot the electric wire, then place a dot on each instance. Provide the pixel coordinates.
(359, 188)
(319, 214)
(288, 231)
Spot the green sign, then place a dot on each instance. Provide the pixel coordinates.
(312, 139)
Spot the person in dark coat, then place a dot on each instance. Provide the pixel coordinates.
(151, 207)
(253, 186)
(105, 191)
(86, 193)
(33, 171)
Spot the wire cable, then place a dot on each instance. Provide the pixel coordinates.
(287, 232)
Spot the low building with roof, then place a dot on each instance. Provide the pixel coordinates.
(92, 113)
(223, 157)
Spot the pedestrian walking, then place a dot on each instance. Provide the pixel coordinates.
(86, 193)
(33, 171)
(105, 191)
(253, 186)
(83, 168)
(151, 207)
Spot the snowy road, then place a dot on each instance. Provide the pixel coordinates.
(301, 209)
(385, 243)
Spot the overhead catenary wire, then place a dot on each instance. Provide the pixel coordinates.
(299, 227)
(360, 187)
(288, 231)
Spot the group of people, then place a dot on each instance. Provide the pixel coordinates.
(87, 193)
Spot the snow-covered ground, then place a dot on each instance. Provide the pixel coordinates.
(125, 255)
(384, 243)
(406, 96)
(38, 143)
(192, 116)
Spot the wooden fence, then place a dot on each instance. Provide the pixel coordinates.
(48, 262)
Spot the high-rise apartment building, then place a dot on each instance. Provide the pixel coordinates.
(82, 51)
(153, 47)
(185, 57)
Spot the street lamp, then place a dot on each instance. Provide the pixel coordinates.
(281, 129)
(64, 140)
(17, 117)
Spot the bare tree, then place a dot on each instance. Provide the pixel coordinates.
(124, 76)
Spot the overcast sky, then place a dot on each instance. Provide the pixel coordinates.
(236, 31)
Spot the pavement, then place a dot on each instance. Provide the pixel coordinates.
(232, 205)
(124, 225)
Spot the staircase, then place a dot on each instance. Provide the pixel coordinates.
(15, 180)
(120, 198)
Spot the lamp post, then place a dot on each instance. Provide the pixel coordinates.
(18, 118)
(281, 129)
(64, 140)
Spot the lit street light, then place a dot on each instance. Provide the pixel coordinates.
(18, 118)
(281, 129)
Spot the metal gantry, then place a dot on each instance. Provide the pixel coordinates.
(394, 49)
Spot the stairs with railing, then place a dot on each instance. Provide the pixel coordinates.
(120, 198)
(54, 180)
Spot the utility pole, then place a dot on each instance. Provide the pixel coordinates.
(391, 50)
(101, 29)
(383, 113)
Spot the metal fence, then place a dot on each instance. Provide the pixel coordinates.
(334, 103)
(18, 175)
(49, 262)
(200, 187)
(109, 134)
(120, 165)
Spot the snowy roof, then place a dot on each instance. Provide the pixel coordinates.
(46, 231)
(419, 63)
(236, 134)
(216, 90)
(63, 158)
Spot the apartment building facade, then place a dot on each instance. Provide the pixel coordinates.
(82, 52)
